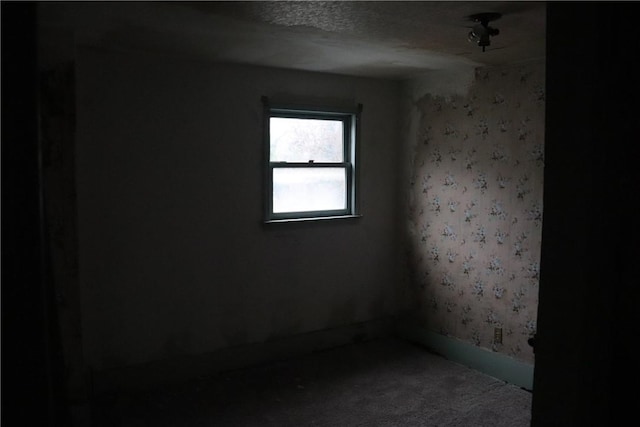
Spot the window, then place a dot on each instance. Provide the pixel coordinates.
(310, 170)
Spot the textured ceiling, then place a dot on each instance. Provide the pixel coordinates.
(388, 39)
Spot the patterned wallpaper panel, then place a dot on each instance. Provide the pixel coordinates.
(475, 209)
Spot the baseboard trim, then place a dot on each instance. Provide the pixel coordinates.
(494, 364)
(143, 376)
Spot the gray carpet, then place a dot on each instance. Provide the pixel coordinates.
(375, 383)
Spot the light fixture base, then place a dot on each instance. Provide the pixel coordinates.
(482, 32)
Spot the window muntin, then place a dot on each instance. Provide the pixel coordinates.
(311, 164)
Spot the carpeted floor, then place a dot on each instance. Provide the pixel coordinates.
(376, 383)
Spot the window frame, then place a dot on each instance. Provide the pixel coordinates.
(350, 118)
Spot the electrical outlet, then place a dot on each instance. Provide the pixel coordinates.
(497, 335)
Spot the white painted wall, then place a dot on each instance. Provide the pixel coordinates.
(173, 256)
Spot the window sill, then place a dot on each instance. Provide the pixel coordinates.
(318, 218)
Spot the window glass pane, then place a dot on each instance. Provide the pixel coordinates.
(309, 189)
(301, 140)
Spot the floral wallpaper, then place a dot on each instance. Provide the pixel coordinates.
(475, 209)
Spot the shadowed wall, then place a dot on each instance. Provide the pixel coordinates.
(174, 258)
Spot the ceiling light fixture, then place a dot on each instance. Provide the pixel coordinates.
(481, 32)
